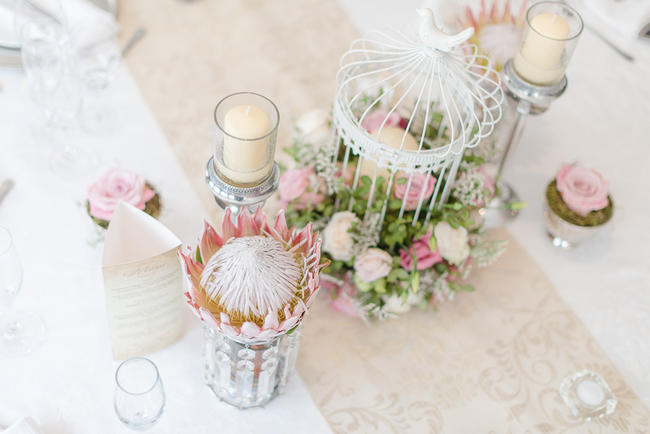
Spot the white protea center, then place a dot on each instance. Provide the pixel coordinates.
(251, 276)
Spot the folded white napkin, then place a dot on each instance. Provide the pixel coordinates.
(23, 426)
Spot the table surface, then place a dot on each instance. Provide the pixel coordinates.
(600, 121)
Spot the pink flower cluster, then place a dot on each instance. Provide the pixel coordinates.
(420, 249)
(294, 188)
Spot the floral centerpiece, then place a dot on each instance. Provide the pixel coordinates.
(577, 203)
(380, 272)
(119, 185)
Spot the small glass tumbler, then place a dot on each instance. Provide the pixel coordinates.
(549, 38)
(248, 374)
(587, 395)
(247, 128)
(139, 395)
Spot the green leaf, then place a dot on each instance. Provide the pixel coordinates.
(361, 285)
(197, 256)
(401, 181)
(394, 204)
(380, 286)
(415, 282)
(365, 180)
(516, 206)
(432, 243)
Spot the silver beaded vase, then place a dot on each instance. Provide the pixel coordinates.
(248, 374)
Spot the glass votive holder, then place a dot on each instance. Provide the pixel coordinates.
(247, 128)
(139, 397)
(587, 395)
(549, 38)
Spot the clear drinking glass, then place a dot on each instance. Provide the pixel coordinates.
(20, 332)
(139, 395)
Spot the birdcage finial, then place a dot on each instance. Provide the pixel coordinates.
(432, 35)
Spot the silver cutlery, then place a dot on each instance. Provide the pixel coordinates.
(5, 188)
(134, 39)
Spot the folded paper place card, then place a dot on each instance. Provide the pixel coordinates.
(143, 284)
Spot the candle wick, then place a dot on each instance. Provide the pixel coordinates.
(248, 109)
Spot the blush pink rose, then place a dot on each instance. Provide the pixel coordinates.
(372, 264)
(420, 183)
(342, 296)
(116, 186)
(373, 120)
(420, 248)
(294, 186)
(583, 190)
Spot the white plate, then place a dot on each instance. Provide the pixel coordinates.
(8, 39)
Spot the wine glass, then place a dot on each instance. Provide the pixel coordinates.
(50, 66)
(20, 332)
(139, 395)
(97, 58)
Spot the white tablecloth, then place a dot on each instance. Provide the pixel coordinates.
(67, 386)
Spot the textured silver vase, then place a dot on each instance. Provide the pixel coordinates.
(248, 374)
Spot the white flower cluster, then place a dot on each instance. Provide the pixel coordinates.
(468, 187)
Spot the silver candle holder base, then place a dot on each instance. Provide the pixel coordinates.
(527, 99)
(233, 197)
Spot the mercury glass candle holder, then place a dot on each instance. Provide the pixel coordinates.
(549, 38)
(248, 374)
(246, 135)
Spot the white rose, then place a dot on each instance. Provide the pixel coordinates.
(337, 241)
(372, 264)
(313, 126)
(452, 243)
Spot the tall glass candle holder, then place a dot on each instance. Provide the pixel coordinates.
(550, 36)
(247, 127)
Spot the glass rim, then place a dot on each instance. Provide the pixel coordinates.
(11, 240)
(131, 359)
(271, 131)
(560, 3)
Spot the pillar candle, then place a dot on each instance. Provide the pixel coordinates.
(539, 60)
(245, 145)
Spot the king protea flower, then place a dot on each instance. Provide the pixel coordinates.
(255, 281)
(496, 31)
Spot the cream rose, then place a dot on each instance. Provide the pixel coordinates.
(337, 241)
(452, 243)
(372, 264)
(313, 126)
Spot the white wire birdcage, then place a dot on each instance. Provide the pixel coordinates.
(446, 95)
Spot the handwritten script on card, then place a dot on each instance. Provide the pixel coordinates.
(144, 303)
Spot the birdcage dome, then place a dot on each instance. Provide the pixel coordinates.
(446, 96)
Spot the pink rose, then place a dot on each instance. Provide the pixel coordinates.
(373, 120)
(419, 182)
(342, 296)
(372, 264)
(294, 186)
(583, 190)
(117, 186)
(420, 248)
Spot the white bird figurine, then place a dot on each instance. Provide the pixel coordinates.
(431, 34)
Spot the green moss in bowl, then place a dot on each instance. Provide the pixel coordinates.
(559, 207)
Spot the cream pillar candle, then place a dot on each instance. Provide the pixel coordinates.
(391, 136)
(539, 59)
(245, 160)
